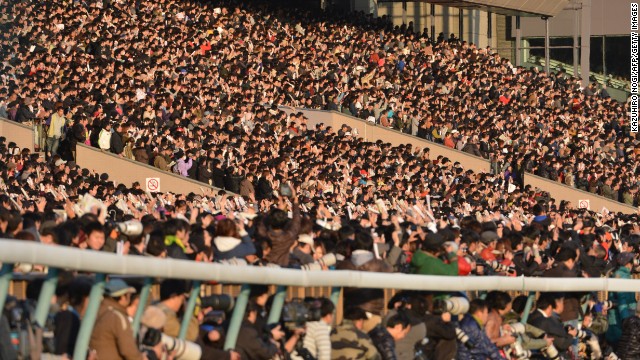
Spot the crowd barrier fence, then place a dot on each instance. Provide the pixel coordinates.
(104, 264)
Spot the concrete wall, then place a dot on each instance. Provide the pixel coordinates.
(559, 192)
(127, 171)
(22, 135)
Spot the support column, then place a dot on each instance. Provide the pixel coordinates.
(236, 318)
(6, 273)
(585, 46)
(46, 294)
(89, 319)
(144, 297)
(433, 22)
(277, 305)
(576, 34)
(546, 45)
(188, 310)
(518, 42)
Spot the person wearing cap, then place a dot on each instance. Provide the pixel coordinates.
(302, 254)
(348, 341)
(427, 260)
(112, 336)
(625, 301)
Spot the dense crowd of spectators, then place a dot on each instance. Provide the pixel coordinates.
(196, 88)
(183, 86)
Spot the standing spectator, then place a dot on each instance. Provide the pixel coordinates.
(472, 324)
(385, 337)
(317, 339)
(264, 189)
(55, 131)
(112, 336)
(163, 159)
(78, 134)
(629, 347)
(348, 341)
(246, 187)
(428, 260)
(282, 232)
(625, 301)
(104, 139)
(116, 141)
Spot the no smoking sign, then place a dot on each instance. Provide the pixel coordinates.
(153, 184)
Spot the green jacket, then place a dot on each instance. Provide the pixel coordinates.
(425, 264)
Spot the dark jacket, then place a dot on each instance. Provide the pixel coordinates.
(554, 328)
(232, 182)
(442, 338)
(204, 173)
(282, 239)
(483, 348)
(264, 189)
(384, 342)
(572, 300)
(217, 176)
(141, 155)
(251, 347)
(78, 135)
(24, 114)
(66, 327)
(117, 146)
(629, 347)
(371, 300)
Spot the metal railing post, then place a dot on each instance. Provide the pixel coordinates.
(277, 305)
(527, 308)
(44, 299)
(188, 311)
(144, 297)
(89, 318)
(335, 295)
(6, 273)
(237, 317)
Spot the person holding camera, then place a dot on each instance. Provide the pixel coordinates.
(546, 317)
(250, 345)
(473, 325)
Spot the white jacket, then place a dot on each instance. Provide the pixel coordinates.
(104, 139)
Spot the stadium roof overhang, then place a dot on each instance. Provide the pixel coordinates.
(506, 7)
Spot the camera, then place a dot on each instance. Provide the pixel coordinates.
(297, 312)
(184, 350)
(497, 267)
(454, 305)
(519, 352)
(130, 228)
(221, 302)
(463, 338)
(517, 328)
(551, 352)
(329, 259)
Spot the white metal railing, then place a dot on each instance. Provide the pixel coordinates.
(13, 251)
